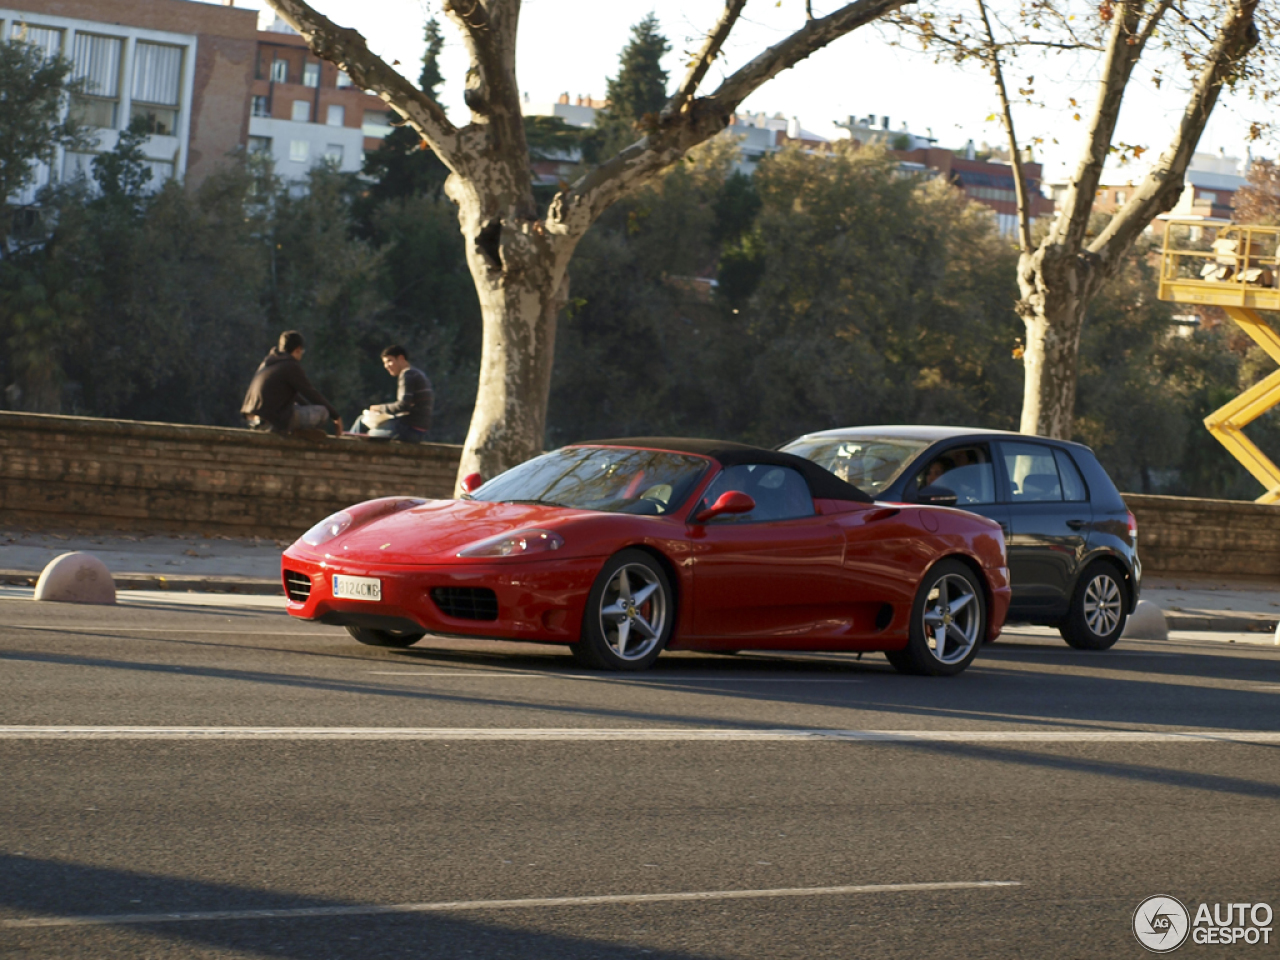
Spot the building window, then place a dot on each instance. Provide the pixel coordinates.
(336, 115)
(1120, 196)
(299, 151)
(157, 82)
(261, 107)
(259, 144)
(376, 123)
(157, 121)
(96, 63)
(48, 40)
(161, 172)
(1208, 197)
(93, 112)
(280, 71)
(333, 153)
(311, 74)
(343, 79)
(77, 165)
(301, 111)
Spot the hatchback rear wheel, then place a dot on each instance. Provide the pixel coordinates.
(1097, 616)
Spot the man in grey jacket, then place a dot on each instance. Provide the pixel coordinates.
(409, 417)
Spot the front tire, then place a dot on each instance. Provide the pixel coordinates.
(629, 616)
(948, 623)
(386, 638)
(1097, 616)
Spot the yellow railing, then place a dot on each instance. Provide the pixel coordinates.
(1235, 267)
(1232, 265)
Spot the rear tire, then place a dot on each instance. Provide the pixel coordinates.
(386, 638)
(629, 616)
(1098, 615)
(948, 623)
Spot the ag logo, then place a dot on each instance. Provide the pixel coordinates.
(1161, 924)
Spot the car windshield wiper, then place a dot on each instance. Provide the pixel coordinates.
(545, 503)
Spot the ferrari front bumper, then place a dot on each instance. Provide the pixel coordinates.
(540, 600)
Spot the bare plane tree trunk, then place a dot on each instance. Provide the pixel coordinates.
(519, 256)
(521, 278)
(1055, 298)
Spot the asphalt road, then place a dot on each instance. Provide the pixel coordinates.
(180, 781)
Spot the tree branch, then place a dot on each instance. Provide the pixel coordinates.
(575, 209)
(701, 63)
(1163, 185)
(1124, 48)
(1006, 113)
(348, 49)
(809, 39)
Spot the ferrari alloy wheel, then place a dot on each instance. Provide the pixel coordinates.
(629, 614)
(948, 622)
(386, 638)
(1098, 613)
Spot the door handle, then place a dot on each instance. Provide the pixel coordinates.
(1077, 524)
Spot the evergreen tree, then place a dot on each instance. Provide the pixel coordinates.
(431, 77)
(640, 88)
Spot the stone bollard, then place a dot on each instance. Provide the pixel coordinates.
(76, 578)
(1146, 623)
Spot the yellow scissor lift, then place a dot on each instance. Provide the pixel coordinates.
(1237, 270)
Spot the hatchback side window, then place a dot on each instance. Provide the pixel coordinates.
(966, 470)
(1033, 473)
(1072, 483)
(780, 493)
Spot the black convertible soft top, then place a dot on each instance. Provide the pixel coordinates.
(823, 484)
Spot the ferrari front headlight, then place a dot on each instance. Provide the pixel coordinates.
(328, 528)
(519, 543)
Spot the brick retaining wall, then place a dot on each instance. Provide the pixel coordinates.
(1213, 538)
(80, 472)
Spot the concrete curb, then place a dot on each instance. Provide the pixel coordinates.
(1225, 623)
(143, 581)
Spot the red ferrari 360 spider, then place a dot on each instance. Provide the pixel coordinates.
(624, 548)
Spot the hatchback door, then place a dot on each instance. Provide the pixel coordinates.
(1049, 520)
(969, 471)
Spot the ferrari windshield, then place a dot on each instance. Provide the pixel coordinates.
(869, 463)
(612, 479)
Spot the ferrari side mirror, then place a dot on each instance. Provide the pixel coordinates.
(731, 501)
(472, 482)
(936, 496)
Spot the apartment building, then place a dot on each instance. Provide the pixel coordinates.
(183, 66)
(304, 110)
(988, 182)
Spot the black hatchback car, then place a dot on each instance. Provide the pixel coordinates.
(1073, 559)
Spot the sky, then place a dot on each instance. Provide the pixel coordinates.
(573, 47)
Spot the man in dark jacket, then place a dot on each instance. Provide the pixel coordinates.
(409, 418)
(280, 397)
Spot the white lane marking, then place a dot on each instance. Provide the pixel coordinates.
(460, 905)
(109, 631)
(646, 681)
(69, 732)
(460, 673)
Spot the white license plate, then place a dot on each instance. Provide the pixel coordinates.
(357, 588)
